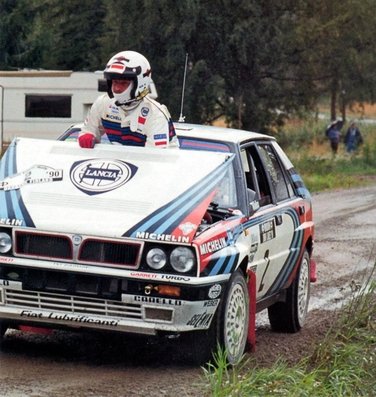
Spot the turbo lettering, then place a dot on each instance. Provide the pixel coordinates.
(162, 237)
(213, 246)
(175, 278)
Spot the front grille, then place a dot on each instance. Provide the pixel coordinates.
(43, 245)
(117, 253)
(72, 304)
(90, 250)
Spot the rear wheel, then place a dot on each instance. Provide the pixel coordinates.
(229, 328)
(289, 316)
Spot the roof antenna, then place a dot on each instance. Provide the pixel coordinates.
(181, 117)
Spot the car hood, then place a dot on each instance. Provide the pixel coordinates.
(110, 191)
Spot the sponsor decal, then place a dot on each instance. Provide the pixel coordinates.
(200, 320)
(157, 300)
(144, 111)
(230, 237)
(162, 237)
(96, 176)
(187, 227)
(141, 120)
(174, 278)
(68, 317)
(35, 174)
(211, 303)
(160, 139)
(252, 251)
(114, 108)
(6, 260)
(214, 291)
(113, 117)
(267, 231)
(11, 222)
(213, 246)
(144, 275)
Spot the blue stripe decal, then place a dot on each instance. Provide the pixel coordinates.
(230, 265)
(187, 208)
(215, 270)
(12, 205)
(293, 256)
(166, 217)
(3, 204)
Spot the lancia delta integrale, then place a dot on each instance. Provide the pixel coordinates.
(189, 242)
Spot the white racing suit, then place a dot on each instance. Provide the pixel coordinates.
(146, 123)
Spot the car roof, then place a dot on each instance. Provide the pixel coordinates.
(218, 133)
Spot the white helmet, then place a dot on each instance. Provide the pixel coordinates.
(128, 65)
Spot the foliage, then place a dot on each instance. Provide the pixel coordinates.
(255, 63)
(308, 148)
(343, 364)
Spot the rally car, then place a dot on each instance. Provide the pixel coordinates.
(188, 241)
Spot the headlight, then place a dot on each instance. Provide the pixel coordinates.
(182, 259)
(5, 243)
(156, 258)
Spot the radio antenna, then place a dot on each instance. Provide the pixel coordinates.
(182, 118)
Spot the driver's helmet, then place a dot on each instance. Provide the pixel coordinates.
(129, 65)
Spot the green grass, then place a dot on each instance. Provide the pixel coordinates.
(308, 149)
(343, 364)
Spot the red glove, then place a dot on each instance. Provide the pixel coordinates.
(86, 141)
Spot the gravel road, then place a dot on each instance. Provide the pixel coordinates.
(67, 364)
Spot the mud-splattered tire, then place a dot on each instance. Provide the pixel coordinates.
(229, 328)
(289, 316)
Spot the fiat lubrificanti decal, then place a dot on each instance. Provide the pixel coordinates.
(97, 176)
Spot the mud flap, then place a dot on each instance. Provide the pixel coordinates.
(251, 339)
(313, 274)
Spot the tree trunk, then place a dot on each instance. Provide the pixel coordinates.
(333, 100)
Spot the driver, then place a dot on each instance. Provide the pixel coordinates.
(127, 114)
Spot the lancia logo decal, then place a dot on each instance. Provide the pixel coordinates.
(97, 176)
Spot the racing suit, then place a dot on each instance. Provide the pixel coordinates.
(145, 123)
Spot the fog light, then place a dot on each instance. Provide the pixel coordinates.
(168, 290)
(5, 243)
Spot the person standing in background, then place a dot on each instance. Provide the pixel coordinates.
(353, 138)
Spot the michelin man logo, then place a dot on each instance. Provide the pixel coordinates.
(97, 176)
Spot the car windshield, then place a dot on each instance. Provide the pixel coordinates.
(225, 196)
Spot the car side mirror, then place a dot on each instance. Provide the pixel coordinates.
(252, 202)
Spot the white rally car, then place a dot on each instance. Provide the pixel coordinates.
(188, 242)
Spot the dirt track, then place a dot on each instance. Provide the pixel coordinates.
(67, 364)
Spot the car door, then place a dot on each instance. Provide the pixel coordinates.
(273, 225)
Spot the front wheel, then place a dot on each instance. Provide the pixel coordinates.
(229, 328)
(289, 316)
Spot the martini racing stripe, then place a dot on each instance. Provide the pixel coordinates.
(11, 202)
(168, 217)
(224, 264)
(285, 272)
(292, 258)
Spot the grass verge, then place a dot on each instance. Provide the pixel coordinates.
(343, 364)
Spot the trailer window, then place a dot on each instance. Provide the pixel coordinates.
(48, 106)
